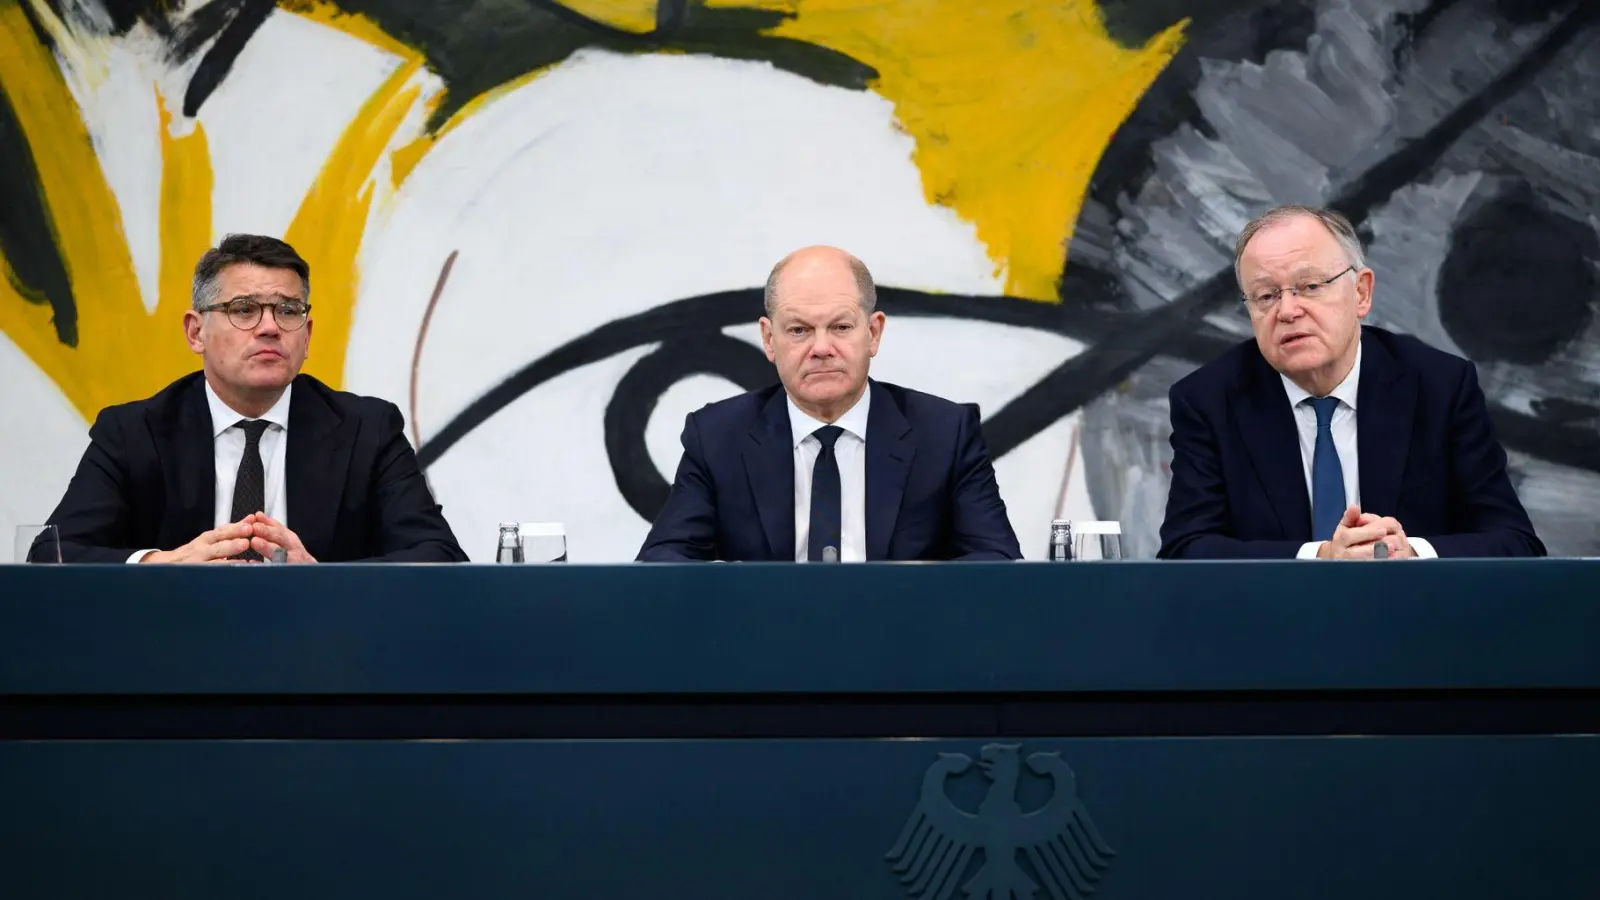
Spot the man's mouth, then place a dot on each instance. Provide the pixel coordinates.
(266, 354)
(1293, 340)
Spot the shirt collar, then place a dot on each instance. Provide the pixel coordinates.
(853, 421)
(1346, 391)
(224, 416)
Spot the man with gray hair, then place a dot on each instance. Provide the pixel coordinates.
(828, 464)
(1324, 438)
(247, 459)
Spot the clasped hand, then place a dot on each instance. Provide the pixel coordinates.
(257, 531)
(1359, 533)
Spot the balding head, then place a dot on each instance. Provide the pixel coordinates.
(818, 261)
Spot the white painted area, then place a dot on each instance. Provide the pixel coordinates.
(664, 434)
(116, 82)
(542, 459)
(39, 447)
(615, 184)
(279, 114)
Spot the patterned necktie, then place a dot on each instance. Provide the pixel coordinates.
(825, 491)
(250, 487)
(1327, 476)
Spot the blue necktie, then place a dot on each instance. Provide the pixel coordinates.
(825, 491)
(1327, 476)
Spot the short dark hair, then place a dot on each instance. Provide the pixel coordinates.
(866, 290)
(261, 250)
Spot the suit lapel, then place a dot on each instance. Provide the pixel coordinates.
(194, 450)
(769, 464)
(317, 461)
(889, 453)
(1266, 424)
(1386, 398)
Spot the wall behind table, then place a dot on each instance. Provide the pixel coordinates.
(579, 204)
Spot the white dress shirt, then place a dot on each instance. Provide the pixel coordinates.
(1343, 427)
(228, 450)
(851, 453)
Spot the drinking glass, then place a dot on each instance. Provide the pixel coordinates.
(37, 544)
(544, 542)
(1096, 540)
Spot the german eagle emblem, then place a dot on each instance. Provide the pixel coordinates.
(1063, 847)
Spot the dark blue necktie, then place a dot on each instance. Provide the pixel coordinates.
(825, 501)
(1327, 476)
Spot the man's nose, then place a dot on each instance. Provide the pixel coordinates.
(1290, 306)
(269, 322)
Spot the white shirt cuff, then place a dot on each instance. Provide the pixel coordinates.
(1422, 548)
(139, 554)
(1309, 550)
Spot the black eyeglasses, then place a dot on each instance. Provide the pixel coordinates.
(246, 314)
(1306, 290)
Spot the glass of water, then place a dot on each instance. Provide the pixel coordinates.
(37, 544)
(544, 542)
(1096, 540)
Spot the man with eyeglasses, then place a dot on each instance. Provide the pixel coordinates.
(1324, 438)
(247, 459)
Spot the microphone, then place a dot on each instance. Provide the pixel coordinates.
(830, 554)
(1380, 550)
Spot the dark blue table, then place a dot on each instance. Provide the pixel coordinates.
(1153, 730)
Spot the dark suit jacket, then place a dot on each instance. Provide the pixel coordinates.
(148, 479)
(930, 488)
(1428, 457)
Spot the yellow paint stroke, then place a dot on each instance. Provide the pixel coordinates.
(186, 183)
(324, 12)
(404, 159)
(359, 26)
(1010, 105)
(329, 226)
(637, 16)
(123, 352)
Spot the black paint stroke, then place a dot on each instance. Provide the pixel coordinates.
(1415, 26)
(670, 15)
(1526, 12)
(122, 15)
(1087, 375)
(477, 47)
(637, 394)
(189, 36)
(27, 231)
(1414, 159)
(698, 318)
(1132, 23)
(219, 60)
(692, 342)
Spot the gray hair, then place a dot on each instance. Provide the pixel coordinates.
(866, 291)
(1337, 225)
(268, 252)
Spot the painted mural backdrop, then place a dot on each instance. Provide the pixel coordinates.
(540, 227)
